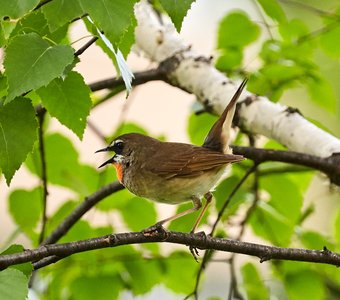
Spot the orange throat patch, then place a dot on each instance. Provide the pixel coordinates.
(119, 171)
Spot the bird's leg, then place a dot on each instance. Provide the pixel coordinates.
(208, 196)
(197, 205)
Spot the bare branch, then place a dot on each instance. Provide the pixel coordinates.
(140, 78)
(328, 165)
(187, 239)
(87, 45)
(79, 211)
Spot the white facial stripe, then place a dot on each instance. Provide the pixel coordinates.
(115, 142)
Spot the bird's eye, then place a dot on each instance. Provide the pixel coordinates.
(118, 147)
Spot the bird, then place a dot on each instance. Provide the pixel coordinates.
(174, 173)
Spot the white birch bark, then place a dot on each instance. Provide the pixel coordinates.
(158, 39)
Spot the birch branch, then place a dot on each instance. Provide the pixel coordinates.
(158, 39)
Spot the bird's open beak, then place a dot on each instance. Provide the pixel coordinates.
(109, 161)
(108, 148)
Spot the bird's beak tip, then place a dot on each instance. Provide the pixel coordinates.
(102, 150)
(111, 160)
(102, 165)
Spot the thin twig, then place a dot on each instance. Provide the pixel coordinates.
(316, 33)
(96, 131)
(234, 292)
(312, 9)
(41, 117)
(140, 78)
(86, 46)
(257, 7)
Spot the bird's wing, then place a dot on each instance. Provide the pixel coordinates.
(189, 161)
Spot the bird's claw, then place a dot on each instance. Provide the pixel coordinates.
(155, 230)
(193, 250)
(194, 253)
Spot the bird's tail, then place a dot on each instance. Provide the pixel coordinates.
(219, 134)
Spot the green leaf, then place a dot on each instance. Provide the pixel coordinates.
(293, 30)
(63, 166)
(275, 219)
(222, 192)
(68, 100)
(253, 283)
(118, 58)
(180, 269)
(93, 30)
(13, 285)
(199, 126)
(37, 66)
(139, 213)
(315, 240)
(185, 223)
(3, 87)
(62, 212)
(96, 287)
(113, 17)
(322, 93)
(229, 59)
(259, 84)
(283, 71)
(36, 22)
(271, 51)
(60, 12)
(128, 39)
(18, 132)
(116, 200)
(236, 30)
(6, 27)
(16, 8)
(144, 274)
(26, 208)
(304, 284)
(25, 268)
(273, 10)
(177, 10)
(79, 231)
(272, 144)
(327, 42)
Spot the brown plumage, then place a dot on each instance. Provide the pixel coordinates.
(175, 172)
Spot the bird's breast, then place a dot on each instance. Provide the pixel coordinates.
(119, 171)
(173, 190)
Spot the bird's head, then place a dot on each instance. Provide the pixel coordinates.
(124, 146)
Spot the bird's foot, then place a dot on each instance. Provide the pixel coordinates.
(194, 253)
(155, 230)
(193, 250)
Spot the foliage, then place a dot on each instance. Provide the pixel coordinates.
(39, 73)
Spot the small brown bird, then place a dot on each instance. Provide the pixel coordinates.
(175, 172)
